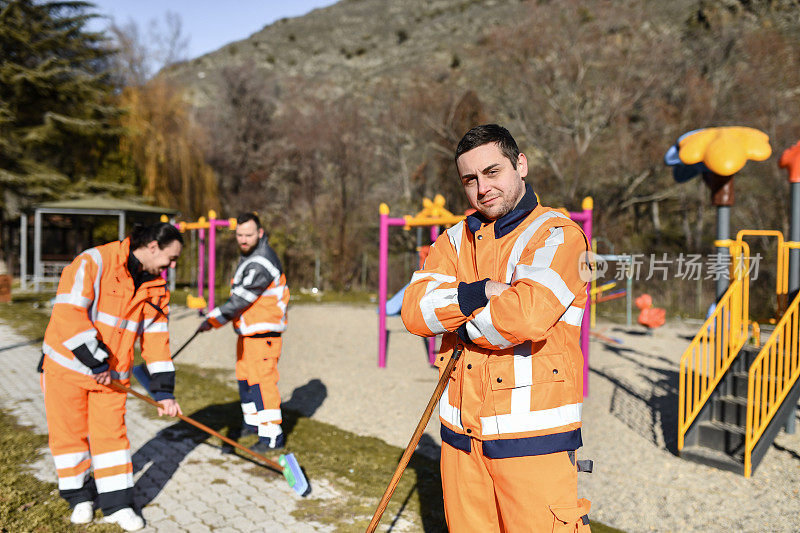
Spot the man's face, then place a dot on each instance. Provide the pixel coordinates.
(247, 236)
(492, 185)
(154, 259)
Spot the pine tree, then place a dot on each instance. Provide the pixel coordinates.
(59, 125)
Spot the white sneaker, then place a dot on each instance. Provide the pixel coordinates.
(125, 518)
(82, 513)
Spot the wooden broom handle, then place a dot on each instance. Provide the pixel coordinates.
(271, 464)
(412, 445)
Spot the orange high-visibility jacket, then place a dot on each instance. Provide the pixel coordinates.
(518, 385)
(259, 295)
(97, 317)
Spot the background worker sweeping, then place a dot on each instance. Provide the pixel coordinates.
(257, 307)
(107, 298)
(505, 283)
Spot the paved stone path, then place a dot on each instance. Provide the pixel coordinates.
(182, 485)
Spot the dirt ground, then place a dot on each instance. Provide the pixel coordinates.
(329, 371)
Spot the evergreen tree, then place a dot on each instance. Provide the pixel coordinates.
(59, 125)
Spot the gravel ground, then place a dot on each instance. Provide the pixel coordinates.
(329, 371)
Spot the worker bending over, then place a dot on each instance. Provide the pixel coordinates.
(107, 298)
(257, 308)
(506, 284)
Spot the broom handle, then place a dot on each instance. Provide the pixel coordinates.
(185, 344)
(271, 464)
(412, 445)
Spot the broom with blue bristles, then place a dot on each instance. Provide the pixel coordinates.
(286, 465)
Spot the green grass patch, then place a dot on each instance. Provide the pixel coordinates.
(27, 503)
(27, 313)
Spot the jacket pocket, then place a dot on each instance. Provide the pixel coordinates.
(513, 371)
(571, 518)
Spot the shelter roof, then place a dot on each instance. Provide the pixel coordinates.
(93, 203)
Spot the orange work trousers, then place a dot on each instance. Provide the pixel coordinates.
(86, 426)
(257, 373)
(518, 494)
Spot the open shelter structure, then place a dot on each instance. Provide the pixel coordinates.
(46, 265)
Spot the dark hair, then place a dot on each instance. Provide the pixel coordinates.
(163, 233)
(489, 133)
(247, 217)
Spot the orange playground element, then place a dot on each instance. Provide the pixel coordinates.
(651, 317)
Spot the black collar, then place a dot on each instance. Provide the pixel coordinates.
(506, 224)
(138, 272)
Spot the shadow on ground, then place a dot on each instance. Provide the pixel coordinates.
(162, 455)
(428, 489)
(649, 405)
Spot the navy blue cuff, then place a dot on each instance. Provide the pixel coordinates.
(158, 396)
(472, 296)
(100, 368)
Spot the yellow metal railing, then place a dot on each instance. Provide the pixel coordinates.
(776, 368)
(715, 346)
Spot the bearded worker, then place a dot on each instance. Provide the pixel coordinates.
(505, 283)
(257, 308)
(108, 297)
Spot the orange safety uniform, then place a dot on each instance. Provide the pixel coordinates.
(511, 412)
(98, 314)
(257, 308)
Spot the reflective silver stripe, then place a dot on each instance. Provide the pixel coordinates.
(269, 430)
(523, 377)
(455, 234)
(109, 459)
(550, 279)
(263, 261)
(70, 460)
(215, 313)
(157, 327)
(249, 413)
(572, 316)
(117, 322)
(112, 483)
(80, 301)
(524, 238)
(277, 291)
(88, 337)
(76, 365)
(532, 420)
(260, 327)
(448, 413)
(441, 278)
(94, 253)
(482, 326)
(72, 364)
(160, 366)
(434, 299)
(75, 295)
(73, 482)
(269, 415)
(243, 293)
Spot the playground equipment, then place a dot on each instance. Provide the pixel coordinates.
(434, 215)
(717, 154)
(649, 316)
(597, 293)
(206, 237)
(734, 397)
